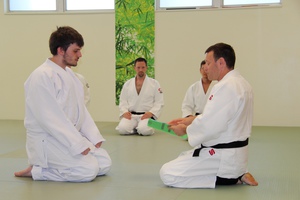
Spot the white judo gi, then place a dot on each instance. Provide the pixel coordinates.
(150, 99)
(59, 128)
(227, 117)
(195, 99)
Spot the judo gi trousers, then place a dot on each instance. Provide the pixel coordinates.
(190, 171)
(62, 166)
(127, 126)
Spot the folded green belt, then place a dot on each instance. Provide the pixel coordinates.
(162, 127)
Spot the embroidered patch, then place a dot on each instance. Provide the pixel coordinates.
(212, 152)
(211, 96)
(160, 90)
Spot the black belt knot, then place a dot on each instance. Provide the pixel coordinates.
(236, 144)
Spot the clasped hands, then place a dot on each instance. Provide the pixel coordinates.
(85, 152)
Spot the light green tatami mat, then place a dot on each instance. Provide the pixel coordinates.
(274, 162)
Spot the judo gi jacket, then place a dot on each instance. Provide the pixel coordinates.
(56, 114)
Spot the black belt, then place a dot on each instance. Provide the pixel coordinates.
(236, 144)
(139, 113)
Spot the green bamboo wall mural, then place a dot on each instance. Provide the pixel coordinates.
(134, 31)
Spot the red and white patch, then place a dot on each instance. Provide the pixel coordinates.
(211, 96)
(160, 90)
(212, 152)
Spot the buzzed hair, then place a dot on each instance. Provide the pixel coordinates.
(225, 51)
(140, 59)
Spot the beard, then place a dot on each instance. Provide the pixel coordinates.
(72, 64)
(141, 74)
(68, 62)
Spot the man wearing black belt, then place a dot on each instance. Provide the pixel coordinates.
(141, 98)
(220, 134)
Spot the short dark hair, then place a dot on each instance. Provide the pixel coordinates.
(140, 59)
(63, 37)
(225, 51)
(202, 63)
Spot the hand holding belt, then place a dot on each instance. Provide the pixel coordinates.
(236, 144)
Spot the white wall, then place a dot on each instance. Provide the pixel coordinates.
(266, 41)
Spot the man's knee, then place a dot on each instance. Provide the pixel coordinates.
(89, 172)
(105, 166)
(166, 178)
(145, 131)
(124, 130)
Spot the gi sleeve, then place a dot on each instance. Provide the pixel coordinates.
(90, 130)
(158, 101)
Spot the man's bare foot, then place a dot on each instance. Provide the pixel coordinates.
(249, 179)
(24, 173)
